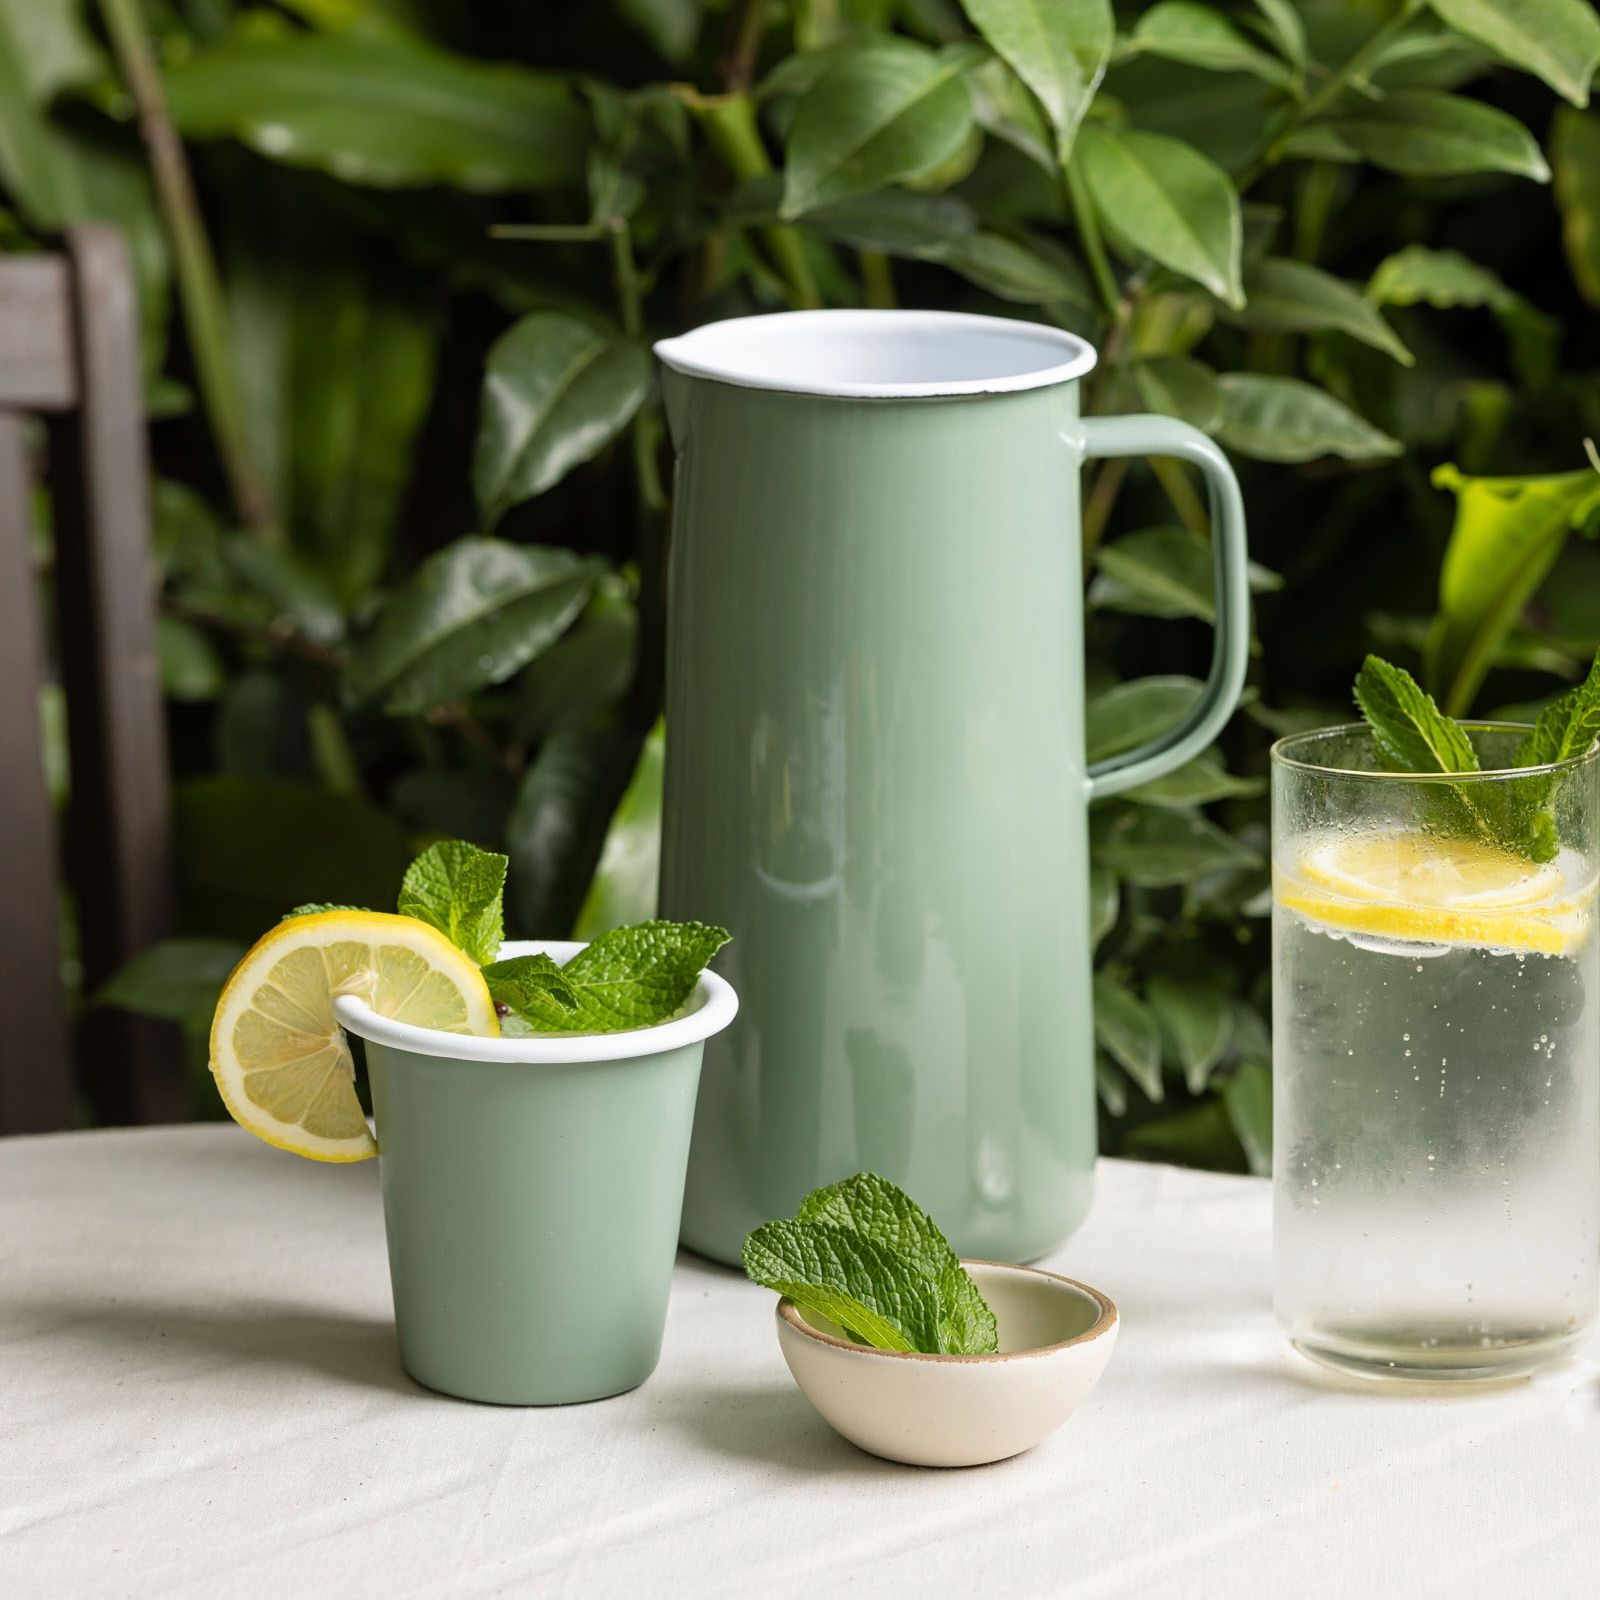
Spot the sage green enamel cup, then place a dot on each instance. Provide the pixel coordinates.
(875, 770)
(531, 1196)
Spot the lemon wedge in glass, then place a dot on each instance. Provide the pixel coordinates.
(280, 1058)
(1413, 886)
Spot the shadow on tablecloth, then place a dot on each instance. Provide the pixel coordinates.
(176, 1339)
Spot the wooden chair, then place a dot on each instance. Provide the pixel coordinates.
(69, 354)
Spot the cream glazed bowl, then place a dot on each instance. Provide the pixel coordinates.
(1056, 1336)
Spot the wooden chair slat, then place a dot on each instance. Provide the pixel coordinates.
(119, 836)
(35, 1059)
(37, 367)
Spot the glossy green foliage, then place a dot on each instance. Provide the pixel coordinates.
(431, 601)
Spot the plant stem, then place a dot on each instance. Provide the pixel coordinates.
(1088, 225)
(729, 124)
(279, 637)
(459, 715)
(1097, 508)
(1175, 484)
(199, 290)
(747, 27)
(877, 277)
(548, 232)
(627, 275)
(1348, 73)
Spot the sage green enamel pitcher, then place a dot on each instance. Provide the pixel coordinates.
(875, 767)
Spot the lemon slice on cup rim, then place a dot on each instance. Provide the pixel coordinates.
(278, 1052)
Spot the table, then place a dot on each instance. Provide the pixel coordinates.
(200, 1396)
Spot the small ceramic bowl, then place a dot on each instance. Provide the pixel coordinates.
(1056, 1336)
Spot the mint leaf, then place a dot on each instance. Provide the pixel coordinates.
(457, 888)
(1566, 728)
(533, 988)
(875, 1296)
(1411, 733)
(315, 908)
(882, 1211)
(632, 977)
(864, 1254)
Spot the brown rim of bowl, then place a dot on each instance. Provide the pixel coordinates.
(1102, 1324)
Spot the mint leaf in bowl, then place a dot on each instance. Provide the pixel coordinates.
(865, 1255)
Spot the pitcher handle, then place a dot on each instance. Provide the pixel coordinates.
(1166, 436)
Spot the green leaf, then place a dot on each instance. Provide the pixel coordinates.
(248, 846)
(1559, 40)
(672, 26)
(585, 673)
(382, 112)
(177, 980)
(888, 110)
(1126, 1028)
(315, 908)
(191, 668)
(1199, 36)
(896, 222)
(1163, 572)
(334, 349)
(1104, 901)
(1287, 419)
(1181, 387)
(881, 1211)
(1197, 1136)
(1007, 108)
(1424, 134)
(624, 885)
(556, 392)
(1575, 155)
(1198, 782)
(1507, 535)
(1247, 1098)
(1155, 847)
(1283, 21)
(1131, 713)
(1014, 271)
(1059, 51)
(631, 977)
(878, 1299)
(527, 986)
(557, 826)
(1294, 297)
(1568, 727)
(1442, 278)
(457, 888)
(470, 615)
(1198, 1017)
(1167, 200)
(1410, 732)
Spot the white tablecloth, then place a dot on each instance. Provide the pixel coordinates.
(200, 1396)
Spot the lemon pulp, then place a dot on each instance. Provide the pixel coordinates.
(281, 1060)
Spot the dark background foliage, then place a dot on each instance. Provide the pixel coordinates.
(400, 265)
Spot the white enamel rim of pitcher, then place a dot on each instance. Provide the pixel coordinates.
(712, 1007)
(879, 355)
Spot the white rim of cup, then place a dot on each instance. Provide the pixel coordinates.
(711, 351)
(715, 1005)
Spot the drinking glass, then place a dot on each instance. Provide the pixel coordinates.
(1436, 1057)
